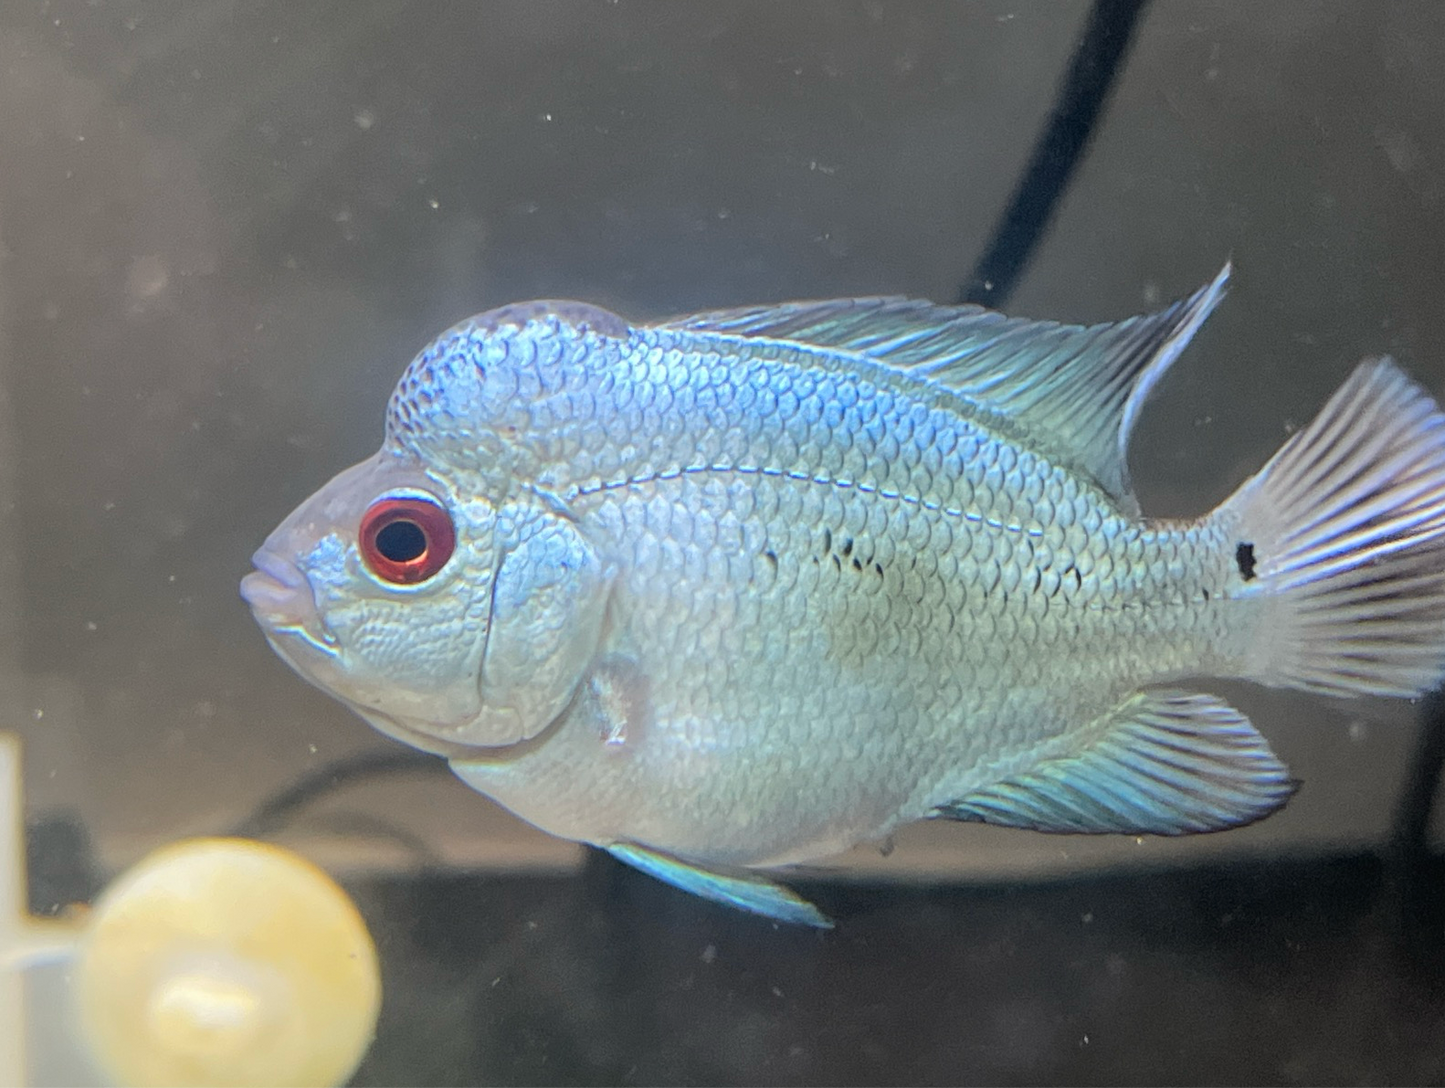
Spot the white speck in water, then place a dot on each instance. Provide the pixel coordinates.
(433, 203)
(709, 954)
(545, 117)
(1359, 732)
(1151, 293)
(1399, 147)
(364, 119)
(147, 279)
(1087, 917)
(91, 625)
(777, 992)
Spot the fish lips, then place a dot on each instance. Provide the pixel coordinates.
(276, 587)
(280, 597)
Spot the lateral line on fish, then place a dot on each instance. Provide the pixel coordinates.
(804, 477)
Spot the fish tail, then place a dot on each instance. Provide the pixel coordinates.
(1341, 538)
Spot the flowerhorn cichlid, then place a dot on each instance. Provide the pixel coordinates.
(744, 589)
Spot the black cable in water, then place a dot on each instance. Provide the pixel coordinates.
(1091, 75)
(1409, 855)
(276, 810)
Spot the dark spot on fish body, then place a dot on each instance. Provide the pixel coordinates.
(1244, 557)
(772, 558)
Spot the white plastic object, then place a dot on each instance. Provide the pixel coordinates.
(23, 940)
(211, 962)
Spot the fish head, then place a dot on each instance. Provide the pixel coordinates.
(431, 588)
(377, 589)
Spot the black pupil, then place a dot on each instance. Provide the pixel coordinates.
(401, 541)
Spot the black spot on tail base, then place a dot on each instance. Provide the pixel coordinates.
(1244, 556)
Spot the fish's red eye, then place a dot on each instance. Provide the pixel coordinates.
(406, 541)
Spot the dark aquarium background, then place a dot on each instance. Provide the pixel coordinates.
(226, 226)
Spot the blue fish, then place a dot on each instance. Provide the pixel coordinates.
(743, 589)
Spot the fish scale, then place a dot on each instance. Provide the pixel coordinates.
(991, 637)
(747, 588)
(978, 478)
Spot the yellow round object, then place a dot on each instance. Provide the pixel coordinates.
(227, 962)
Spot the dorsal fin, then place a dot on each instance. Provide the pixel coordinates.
(1074, 389)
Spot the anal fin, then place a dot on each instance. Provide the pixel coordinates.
(746, 891)
(1165, 763)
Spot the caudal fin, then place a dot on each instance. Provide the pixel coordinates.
(1342, 535)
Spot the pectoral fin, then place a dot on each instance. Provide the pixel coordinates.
(746, 891)
(1164, 763)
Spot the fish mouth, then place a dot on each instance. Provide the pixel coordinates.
(280, 598)
(276, 587)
